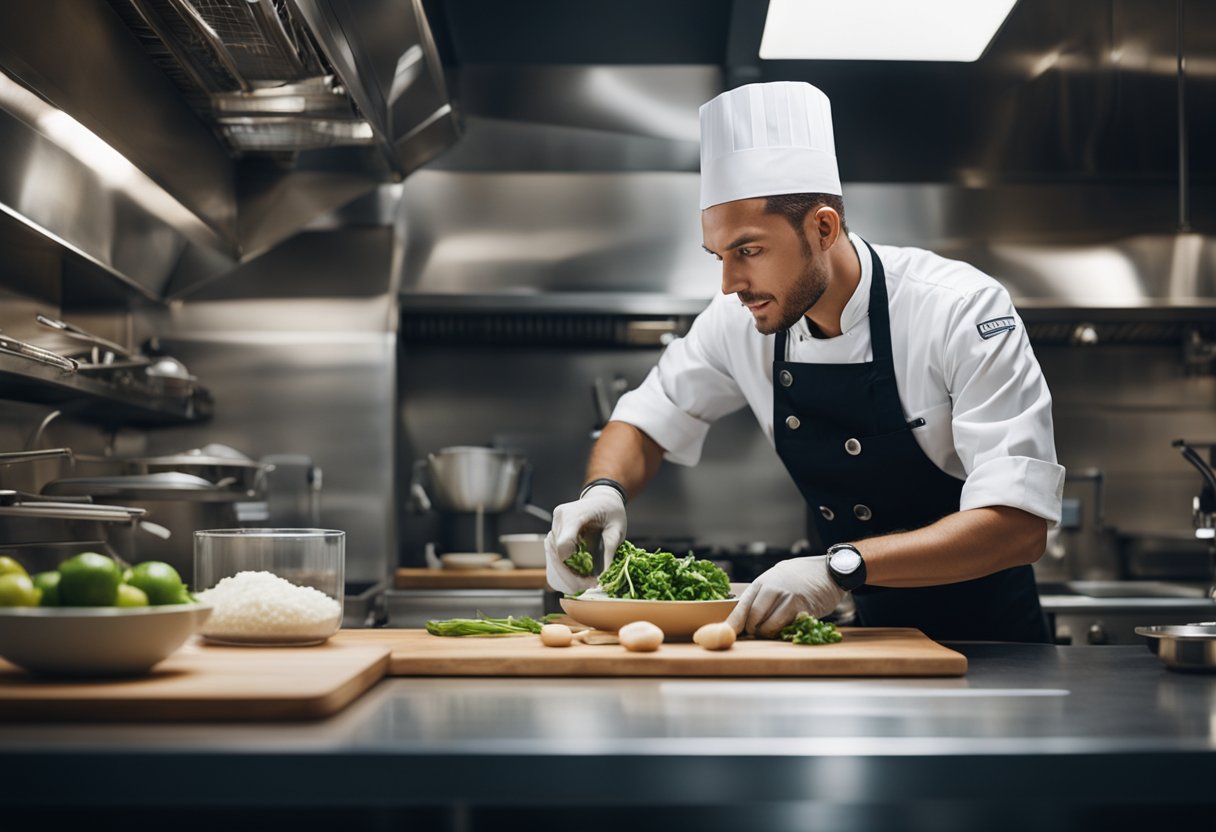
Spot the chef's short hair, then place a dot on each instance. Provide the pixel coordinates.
(795, 207)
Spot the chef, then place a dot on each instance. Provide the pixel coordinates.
(899, 389)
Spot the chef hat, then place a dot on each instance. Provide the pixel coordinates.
(767, 139)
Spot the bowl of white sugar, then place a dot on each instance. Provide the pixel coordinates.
(270, 587)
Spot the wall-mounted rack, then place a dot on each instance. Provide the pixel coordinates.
(98, 401)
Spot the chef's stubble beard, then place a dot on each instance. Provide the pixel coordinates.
(807, 290)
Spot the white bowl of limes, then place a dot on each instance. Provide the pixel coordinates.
(92, 617)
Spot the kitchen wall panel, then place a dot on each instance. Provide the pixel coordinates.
(298, 348)
(538, 401)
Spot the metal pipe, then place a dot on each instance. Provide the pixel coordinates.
(36, 437)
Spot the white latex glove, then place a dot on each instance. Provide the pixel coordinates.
(600, 510)
(778, 595)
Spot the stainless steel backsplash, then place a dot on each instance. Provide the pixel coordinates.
(629, 244)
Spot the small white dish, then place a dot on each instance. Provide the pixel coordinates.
(468, 560)
(526, 550)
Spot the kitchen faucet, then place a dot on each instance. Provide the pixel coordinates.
(1203, 511)
(1203, 506)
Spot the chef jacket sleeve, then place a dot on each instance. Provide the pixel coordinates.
(690, 388)
(1001, 409)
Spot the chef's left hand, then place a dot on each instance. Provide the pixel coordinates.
(778, 595)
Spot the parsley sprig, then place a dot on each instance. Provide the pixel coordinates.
(807, 629)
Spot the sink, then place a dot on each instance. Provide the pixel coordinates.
(1124, 589)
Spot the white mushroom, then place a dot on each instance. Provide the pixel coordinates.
(716, 636)
(556, 635)
(640, 637)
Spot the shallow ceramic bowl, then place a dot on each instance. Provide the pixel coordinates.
(525, 550)
(96, 641)
(675, 618)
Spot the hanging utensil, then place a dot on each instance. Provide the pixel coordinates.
(73, 331)
(23, 349)
(33, 456)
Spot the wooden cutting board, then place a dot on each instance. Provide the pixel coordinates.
(202, 682)
(412, 578)
(863, 652)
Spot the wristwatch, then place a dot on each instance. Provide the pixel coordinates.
(846, 566)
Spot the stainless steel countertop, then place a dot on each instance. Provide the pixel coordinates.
(1037, 712)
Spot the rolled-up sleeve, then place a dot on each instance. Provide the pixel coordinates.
(1002, 424)
(688, 390)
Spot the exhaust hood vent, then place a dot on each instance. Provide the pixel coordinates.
(249, 118)
(547, 329)
(251, 70)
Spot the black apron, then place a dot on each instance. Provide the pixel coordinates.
(841, 431)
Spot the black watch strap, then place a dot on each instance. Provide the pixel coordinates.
(847, 581)
(607, 482)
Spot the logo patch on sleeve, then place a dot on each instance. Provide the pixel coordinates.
(996, 326)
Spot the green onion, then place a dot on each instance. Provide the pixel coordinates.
(483, 625)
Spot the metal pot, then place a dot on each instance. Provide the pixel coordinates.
(43, 533)
(474, 479)
(180, 503)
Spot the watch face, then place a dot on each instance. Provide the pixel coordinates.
(845, 561)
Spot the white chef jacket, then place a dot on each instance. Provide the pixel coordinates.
(963, 363)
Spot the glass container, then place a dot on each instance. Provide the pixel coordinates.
(270, 587)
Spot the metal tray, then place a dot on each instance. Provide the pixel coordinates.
(1187, 647)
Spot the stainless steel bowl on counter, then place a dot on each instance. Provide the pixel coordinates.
(1186, 647)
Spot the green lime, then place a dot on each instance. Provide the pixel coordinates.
(126, 575)
(130, 596)
(10, 566)
(160, 582)
(48, 582)
(89, 580)
(18, 591)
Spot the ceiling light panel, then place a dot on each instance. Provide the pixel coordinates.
(881, 30)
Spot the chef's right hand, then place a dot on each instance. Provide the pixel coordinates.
(601, 509)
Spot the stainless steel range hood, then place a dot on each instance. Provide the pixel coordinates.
(165, 141)
(1074, 161)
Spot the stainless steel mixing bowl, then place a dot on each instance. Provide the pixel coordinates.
(1188, 647)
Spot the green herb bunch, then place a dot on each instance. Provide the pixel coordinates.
(580, 562)
(807, 629)
(485, 626)
(661, 576)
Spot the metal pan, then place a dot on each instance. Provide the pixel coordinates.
(1185, 647)
(219, 465)
(169, 485)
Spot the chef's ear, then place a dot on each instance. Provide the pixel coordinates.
(823, 225)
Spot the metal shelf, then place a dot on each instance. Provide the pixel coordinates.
(96, 400)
